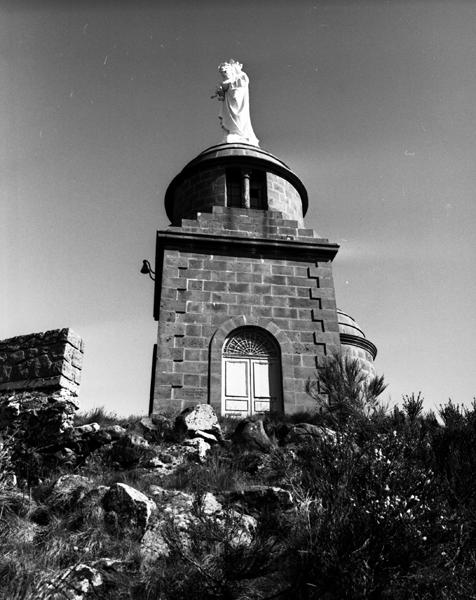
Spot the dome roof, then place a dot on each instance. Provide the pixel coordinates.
(348, 325)
(236, 149)
(239, 155)
(351, 334)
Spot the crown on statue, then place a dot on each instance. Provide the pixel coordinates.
(234, 64)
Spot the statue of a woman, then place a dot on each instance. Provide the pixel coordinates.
(234, 114)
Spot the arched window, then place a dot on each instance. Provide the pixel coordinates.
(251, 372)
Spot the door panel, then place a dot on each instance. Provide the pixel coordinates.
(261, 383)
(236, 378)
(260, 406)
(235, 406)
(236, 386)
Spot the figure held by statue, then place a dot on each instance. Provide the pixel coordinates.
(234, 113)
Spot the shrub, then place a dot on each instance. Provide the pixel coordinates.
(220, 472)
(413, 406)
(343, 390)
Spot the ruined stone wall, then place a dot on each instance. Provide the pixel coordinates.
(51, 360)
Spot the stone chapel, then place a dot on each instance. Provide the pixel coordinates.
(244, 294)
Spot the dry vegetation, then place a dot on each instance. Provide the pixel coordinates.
(386, 509)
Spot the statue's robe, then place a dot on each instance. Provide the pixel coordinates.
(235, 112)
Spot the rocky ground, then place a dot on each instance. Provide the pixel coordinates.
(152, 488)
(317, 506)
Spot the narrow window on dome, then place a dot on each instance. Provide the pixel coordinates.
(234, 192)
(258, 197)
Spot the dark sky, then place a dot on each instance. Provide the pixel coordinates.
(372, 104)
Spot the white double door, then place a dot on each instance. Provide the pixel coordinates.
(251, 385)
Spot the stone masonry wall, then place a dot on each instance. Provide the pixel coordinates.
(199, 192)
(283, 197)
(51, 360)
(203, 293)
(363, 357)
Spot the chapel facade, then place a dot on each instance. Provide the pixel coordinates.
(244, 292)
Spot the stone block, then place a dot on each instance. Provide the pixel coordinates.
(299, 302)
(224, 297)
(314, 292)
(279, 269)
(191, 380)
(240, 309)
(264, 288)
(287, 313)
(283, 290)
(260, 267)
(195, 284)
(192, 353)
(249, 277)
(215, 286)
(177, 354)
(274, 301)
(242, 288)
(243, 267)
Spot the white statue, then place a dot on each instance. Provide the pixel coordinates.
(234, 114)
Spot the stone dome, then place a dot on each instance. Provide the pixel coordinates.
(348, 325)
(221, 151)
(355, 344)
(205, 181)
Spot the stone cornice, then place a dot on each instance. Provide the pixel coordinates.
(360, 342)
(319, 250)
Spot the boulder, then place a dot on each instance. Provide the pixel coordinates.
(127, 508)
(115, 431)
(166, 461)
(201, 417)
(250, 435)
(88, 428)
(149, 429)
(78, 443)
(210, 438)
(200, 446)
(174, 507)
(82, 581)
(157, 428)
(178, 513)
(134, 440)
(258, 497)
(168, 457)
(67, 491)
(306, 431)
(130, 451)
(79, 582)
(165, 427)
